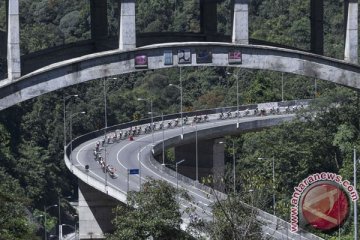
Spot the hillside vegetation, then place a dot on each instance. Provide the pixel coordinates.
(32, 171)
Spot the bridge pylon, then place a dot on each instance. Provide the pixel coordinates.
(13, 42)
(351, 13)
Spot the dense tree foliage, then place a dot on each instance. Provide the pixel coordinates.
(234, 219)
(31, 134)
(152, 212)
(302, 147)
(15, 222)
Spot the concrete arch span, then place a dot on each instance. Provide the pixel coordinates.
(42, 58)
(116, 62)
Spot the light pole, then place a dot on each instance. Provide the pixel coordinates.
(45, 209)
(197, 154)
(234, 164)
(282, 87)
(71, 117)
(181, 104)
(59, 219)
(273, 176)
(163, 139)
(64, 110)
(151, 112)
(105, 104)
(237, 98)
(176, 169)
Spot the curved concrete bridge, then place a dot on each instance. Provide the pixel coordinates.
(129, 57)
(139, 154)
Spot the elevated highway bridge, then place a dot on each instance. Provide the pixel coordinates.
(125, 154)
(29, 77)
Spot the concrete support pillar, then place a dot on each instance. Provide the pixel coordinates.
(99, 22)
(210, 160)
(240, 33)
(13, 42)
(127, 38)
(208, 16)
(95, 212)
(317, 26)
(351, 38)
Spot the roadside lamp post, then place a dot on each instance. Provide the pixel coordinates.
(273, 176)
(196, 154)
(237, 98)
(59, 218)
(105, 104)
(45, 209)
(163, 139)
(152, 115)
(64, 110)
(181, 105)
(176, 169)
(105, 101)
(282, 87)
(71, 117)
(234, 164)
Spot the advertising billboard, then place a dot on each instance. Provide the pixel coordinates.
(203, 56)
(168, 57)
(235, 57)
(184, 56)
(141, 61)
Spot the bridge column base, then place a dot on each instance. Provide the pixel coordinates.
(240, 33)
(210, 161)
(351, 38)
(95, 213)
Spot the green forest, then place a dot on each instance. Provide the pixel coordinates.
(32, 171)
